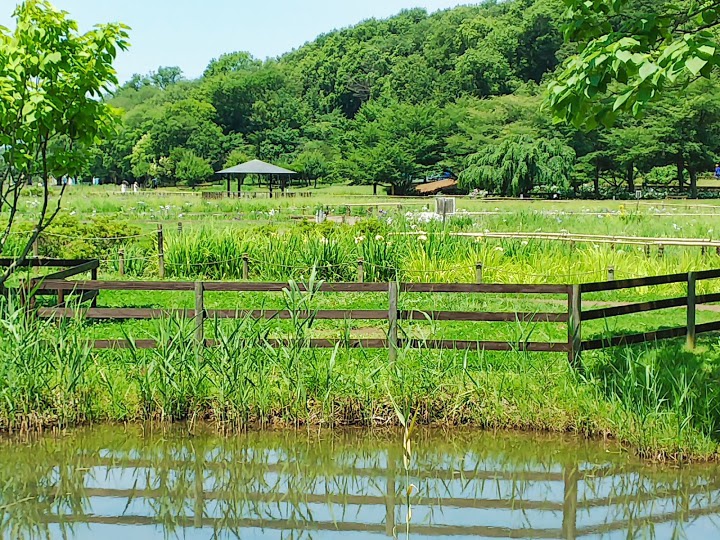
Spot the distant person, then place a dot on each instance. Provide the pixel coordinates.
(717, 171)
(136, 187)
(123, 187)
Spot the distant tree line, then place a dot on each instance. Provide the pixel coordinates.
(389, 101)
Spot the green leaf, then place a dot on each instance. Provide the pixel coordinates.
(694, 64)
(646, 70)
(621, 99)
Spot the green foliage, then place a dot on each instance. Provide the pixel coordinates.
(191, 169)
(517, 166)
(51, 80)
(630, 53)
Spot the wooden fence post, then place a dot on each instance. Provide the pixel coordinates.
(691, 290)
(478, 272)
(245, 266)
(647, 250)
(393, 320)
(180, 227)
(200, 313)
(94, 277)
(611, 273)
(121, 262)
(161, 251)
(661, 251)
(575, 326)
(361, 271)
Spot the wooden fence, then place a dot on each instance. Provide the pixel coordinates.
(573, 316)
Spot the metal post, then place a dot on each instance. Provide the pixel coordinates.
(478, 272)
(361, 271)
(121, 262)
(199, 313)
(161, 252)
(611, 273)
(393, 320)
(246, 266)
(691, 289)
(575, 327)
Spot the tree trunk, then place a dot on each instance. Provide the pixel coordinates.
(630, 177)
(596, 180)
(680, 166)
(693, 182)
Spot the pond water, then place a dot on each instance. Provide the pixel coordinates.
(117, 483)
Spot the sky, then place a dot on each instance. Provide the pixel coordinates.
(189, 33)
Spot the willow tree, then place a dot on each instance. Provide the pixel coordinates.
(517, 165)
(52, 78)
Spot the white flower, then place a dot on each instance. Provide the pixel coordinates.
(359, 239)
(324, 240)
(413, 227)
(422, 238)
(181, 215)
(487, 231)
(379, 238)
(524, 243)
(498, 248)
(389, 220)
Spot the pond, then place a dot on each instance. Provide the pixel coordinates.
(147, 482)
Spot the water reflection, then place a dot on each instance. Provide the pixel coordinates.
(113, 483)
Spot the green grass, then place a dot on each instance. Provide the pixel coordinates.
(658, 399)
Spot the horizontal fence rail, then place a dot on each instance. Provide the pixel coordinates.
(573, 316)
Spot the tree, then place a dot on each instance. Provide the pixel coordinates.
(231, 63)
(165, 77)
(517, 165)
(630, 52)
(51, 80)
(190, 168)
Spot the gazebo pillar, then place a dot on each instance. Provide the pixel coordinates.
(228, 186)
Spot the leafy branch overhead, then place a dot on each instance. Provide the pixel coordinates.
(630, 52)
(52, 78)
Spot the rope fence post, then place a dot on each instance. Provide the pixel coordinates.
(121, 262)
(575, 326)
(200, 313)
(246, 266)
(361, 271)
(392, 320)
(691, 290)
(478, 272)
(161, 251)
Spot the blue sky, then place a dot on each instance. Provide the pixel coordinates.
(188, 33)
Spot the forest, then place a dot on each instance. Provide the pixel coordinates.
(389, 101)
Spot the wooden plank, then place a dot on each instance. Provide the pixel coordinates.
(632, 339)
(146, 313)
(641, 307)
(707, 327)
(199, 314)
(707, 298)
(448, 344)
(418, 315)
(119, 285)
(707, 274)
(74, 271)
(483, 288)
(631, 283)
(278, 287)
(38, 263)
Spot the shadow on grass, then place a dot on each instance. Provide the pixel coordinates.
(664, 377)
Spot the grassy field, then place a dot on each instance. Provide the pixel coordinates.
(661, 400)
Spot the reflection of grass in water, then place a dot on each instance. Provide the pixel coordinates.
(280, 475)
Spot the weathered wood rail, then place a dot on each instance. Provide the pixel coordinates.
(572, 317)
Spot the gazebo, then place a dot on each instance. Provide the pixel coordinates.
(274, 174)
